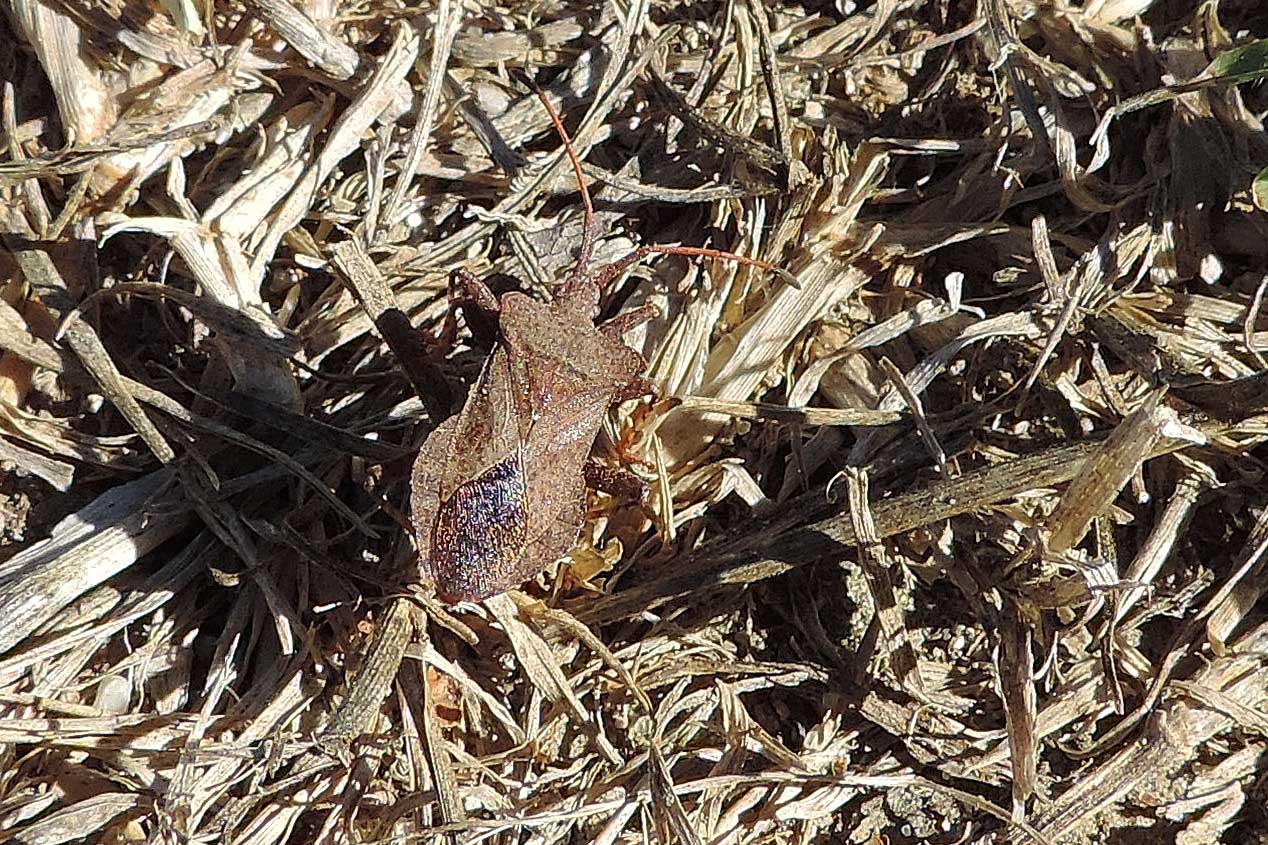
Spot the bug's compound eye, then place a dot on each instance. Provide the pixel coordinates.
(480, 533)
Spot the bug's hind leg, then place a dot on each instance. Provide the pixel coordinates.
(615, 481)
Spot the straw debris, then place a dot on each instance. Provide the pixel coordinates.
(956, 527)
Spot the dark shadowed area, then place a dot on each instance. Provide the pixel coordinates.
(938, 518)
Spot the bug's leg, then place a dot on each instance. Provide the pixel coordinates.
(637, 389)
(622, 323)
(467, 291)
(604, 278)
(479, 306)
(614, 481)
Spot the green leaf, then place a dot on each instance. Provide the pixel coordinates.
(1241, 65)
(1259, 189)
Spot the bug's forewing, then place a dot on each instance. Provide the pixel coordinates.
(424, 488)
(489, 428)
(470, 529)
(477, 543)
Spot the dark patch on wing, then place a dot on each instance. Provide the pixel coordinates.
(480, 534)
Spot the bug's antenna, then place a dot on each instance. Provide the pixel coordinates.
(587, 226)
(605, 276)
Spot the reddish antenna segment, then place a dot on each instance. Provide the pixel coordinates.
(586, 251)
(587, 226)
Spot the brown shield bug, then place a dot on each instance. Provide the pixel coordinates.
(498, 491)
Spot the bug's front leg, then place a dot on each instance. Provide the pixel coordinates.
(479, 306)
(622, 323)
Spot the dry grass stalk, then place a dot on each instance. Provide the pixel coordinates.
(1020, 306)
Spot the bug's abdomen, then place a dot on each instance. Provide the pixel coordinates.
(480, 534)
